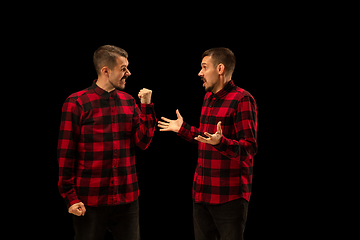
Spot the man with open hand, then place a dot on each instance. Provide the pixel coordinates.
(227, 145)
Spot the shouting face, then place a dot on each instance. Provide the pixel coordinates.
(118, 75)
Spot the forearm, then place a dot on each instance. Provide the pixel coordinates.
(145, 127)
(233, 148)
(66, 183)
(188, 132)
(66, 150)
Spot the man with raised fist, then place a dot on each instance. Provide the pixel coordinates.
(100, 127)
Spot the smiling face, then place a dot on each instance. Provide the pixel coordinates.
(209, 75)
(119, 74)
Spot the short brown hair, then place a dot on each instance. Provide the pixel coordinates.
(222, 55)
(106, 56)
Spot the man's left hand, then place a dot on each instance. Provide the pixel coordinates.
(212, 139)
(145, 96)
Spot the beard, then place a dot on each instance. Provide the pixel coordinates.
(119, 85)
(209, 88)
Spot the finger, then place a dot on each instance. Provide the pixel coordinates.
(166, 119)
(208, 134)
(178, 113)
(83, 210)
(79, 212)
(76, 212)
(82, 207)
(163, 125)
(219, 127)
(164, 130)
(145, 90)
(202, 139)
(72, 210)
(161, 128)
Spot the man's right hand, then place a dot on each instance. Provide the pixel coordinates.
(77, 209)
(171, 125)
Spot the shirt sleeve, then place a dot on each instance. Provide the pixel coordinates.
(144, 125)
(66, 150)
(245, 125)
(188, 132)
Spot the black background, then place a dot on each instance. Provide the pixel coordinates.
(167, 60)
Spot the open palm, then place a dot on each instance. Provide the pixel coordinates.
(171, 125)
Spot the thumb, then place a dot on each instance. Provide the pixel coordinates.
(219, 127)
(178, 113)
(82, 209)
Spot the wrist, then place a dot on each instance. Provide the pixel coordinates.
(177, 130)
(179, 127)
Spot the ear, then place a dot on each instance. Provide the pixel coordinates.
(105, 71)
(221, 69)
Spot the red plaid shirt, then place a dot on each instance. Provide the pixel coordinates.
(224, 172)
(96, 147)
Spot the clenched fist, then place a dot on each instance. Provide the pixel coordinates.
(145, 96)
(78, 209)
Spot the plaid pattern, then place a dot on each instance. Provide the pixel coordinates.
(96, 147)
(224, 172)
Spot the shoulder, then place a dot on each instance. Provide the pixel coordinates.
(126, 99)
(124, 96)
(241, 94)
(79, 97)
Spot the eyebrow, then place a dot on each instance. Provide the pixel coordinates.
(203, 63)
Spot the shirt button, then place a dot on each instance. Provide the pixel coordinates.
(115, 151)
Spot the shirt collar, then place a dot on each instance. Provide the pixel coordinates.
(225, 90)
(101, 91)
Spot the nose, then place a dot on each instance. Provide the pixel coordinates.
(128, 72)
(200, 74)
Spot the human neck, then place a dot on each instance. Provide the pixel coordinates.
(104, 84)
(222, 83)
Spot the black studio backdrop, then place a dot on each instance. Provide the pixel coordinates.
(168, 64)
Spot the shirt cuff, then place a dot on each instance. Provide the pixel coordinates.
(71, 199)
(182, 129)
(147, 108)
(222, 145)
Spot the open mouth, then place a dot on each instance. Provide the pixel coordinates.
(123, 79)
(203, 79)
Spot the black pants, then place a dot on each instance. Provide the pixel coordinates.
(121, 220)
(224, 221)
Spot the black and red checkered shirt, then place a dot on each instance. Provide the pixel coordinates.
(96, 147)
(224, 172)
